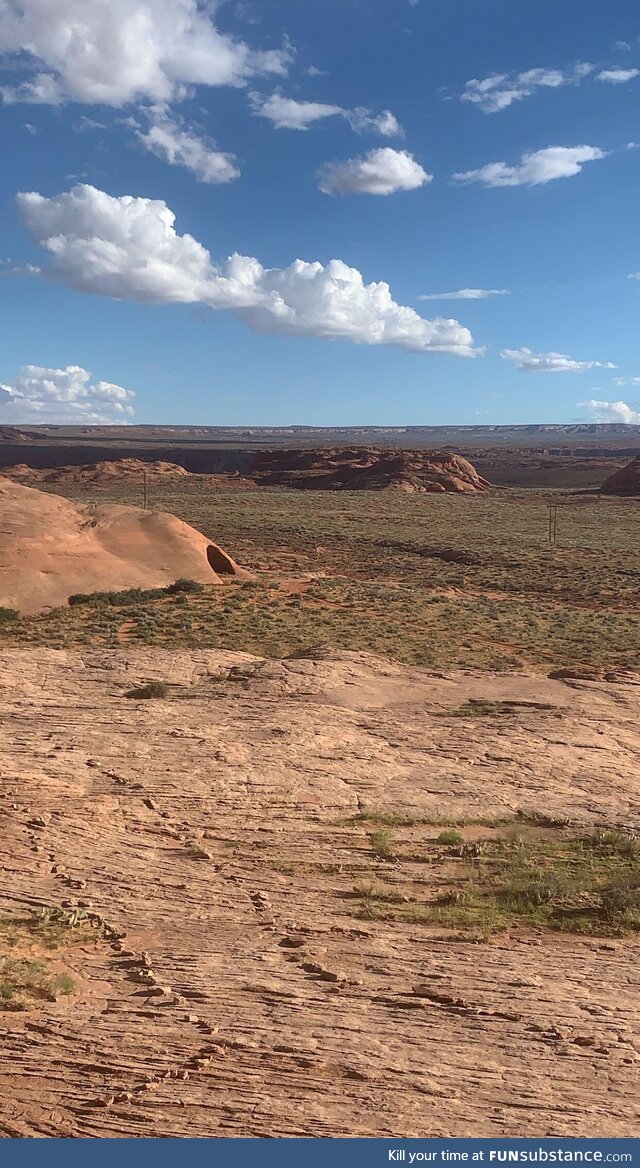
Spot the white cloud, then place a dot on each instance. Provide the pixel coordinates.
(113, 52)
(534, 169)
(550, 362)
(62, 395)
(128, 248)
(168, 138)
(288, 114)
(466, 294)
(499, 90)
(603, 411)
(385, 124)
(380, 172)
(618, 76)
(634, 276)
(626, 381)
(9, 268)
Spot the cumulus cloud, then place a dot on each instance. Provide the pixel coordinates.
(535, 169)
(466, 294)
(168, 138)
(604, 411)
(626, 381)
(617, 75)
(113, 52)
(128, 248)
(380, 172)
(285, 113)
(364, 122)
(500, 90)
(43, 395)
(550, 362)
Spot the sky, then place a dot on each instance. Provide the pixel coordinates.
(321, 212)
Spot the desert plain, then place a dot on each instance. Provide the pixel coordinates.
(345, 844)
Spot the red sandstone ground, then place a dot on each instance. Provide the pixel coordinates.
(231, 986)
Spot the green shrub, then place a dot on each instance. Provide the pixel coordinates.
(183, 585)
(450, 837)
(8, 614)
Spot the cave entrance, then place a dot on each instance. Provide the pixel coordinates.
(219, 561)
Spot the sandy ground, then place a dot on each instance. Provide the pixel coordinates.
(243, 996)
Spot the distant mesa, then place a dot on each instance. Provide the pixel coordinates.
(366, 468)
(625, 481)
(51, 548)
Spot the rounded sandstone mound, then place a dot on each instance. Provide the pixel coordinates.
(367, 468)
(625, 481)
(51, 548)
(124, 469)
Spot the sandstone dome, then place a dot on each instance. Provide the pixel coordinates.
(51, 548)
(625, 481)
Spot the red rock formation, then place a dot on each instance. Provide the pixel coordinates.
(95, 472)
(625, 481)
(51, 548)
(367, 468)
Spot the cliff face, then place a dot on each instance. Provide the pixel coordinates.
(625, 481)
(365, 468)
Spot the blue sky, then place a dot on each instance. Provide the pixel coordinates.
(482, 146)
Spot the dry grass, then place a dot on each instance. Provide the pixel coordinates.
(438, 581)
(531, 877)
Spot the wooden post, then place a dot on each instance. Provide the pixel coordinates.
(144, 487)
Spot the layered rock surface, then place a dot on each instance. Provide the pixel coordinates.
(216, 833)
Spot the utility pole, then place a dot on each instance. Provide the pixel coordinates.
(553, 522)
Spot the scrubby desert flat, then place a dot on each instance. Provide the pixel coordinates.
(346, 844)
(234, 892)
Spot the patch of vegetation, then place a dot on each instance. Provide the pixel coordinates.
(382, 843)
(153, 689)
(26, 976)
(8, 615)
(127, 596)
(477, 708)
(388, 818)
(450, 837)
(374, 893)
(23, 982)
(555, 881)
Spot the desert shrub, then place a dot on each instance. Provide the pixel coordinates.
(153, 689)
(127, 596)
(183, 585)
(8, 614)
(450, 837)
(382, 843)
